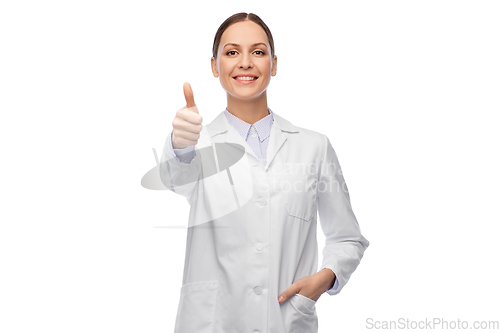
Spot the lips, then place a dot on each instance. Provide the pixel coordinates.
(246, 77)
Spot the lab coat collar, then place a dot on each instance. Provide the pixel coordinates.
(221, 131)
(262, 126)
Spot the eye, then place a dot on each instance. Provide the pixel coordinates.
(230, 52)
(261, 53)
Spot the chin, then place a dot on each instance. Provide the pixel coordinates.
(236, 93)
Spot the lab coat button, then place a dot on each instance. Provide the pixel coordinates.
(258, 290)
(262, 202)
(259, 246)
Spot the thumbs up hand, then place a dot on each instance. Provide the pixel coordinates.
(187, 122)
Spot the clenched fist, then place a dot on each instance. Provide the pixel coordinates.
(187, 122)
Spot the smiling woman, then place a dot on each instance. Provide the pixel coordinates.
(252, 265)
(244, 61)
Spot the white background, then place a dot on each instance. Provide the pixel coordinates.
(407, 92)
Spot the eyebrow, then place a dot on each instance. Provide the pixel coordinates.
(234, 44)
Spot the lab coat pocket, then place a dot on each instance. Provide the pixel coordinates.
(301, 198)
(303, 317)
(197, 307)
(303, 304)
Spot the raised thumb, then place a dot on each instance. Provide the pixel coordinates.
(188, 94)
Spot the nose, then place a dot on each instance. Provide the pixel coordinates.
(246, 62)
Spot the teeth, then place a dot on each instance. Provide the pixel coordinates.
(245, 78)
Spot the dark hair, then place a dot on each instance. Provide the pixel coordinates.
(238, 18)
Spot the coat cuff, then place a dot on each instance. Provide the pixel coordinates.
(334, 290)
(184, 155)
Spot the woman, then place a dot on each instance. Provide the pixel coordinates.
(251, 253)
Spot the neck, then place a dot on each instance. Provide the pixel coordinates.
(249, 111)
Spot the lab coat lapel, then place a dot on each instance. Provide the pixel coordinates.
(221, 131)
(279, 131)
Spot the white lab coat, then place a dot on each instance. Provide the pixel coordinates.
(252, 230)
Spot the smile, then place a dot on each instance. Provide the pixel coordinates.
(245, 79)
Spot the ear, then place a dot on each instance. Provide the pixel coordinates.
(214, 67)
(275, 65)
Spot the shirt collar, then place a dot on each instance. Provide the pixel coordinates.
(262, 127)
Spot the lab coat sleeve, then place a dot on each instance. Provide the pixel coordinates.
(335, 285)
(344, 245)
(180, 168)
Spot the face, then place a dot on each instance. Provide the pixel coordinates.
(244, 51)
